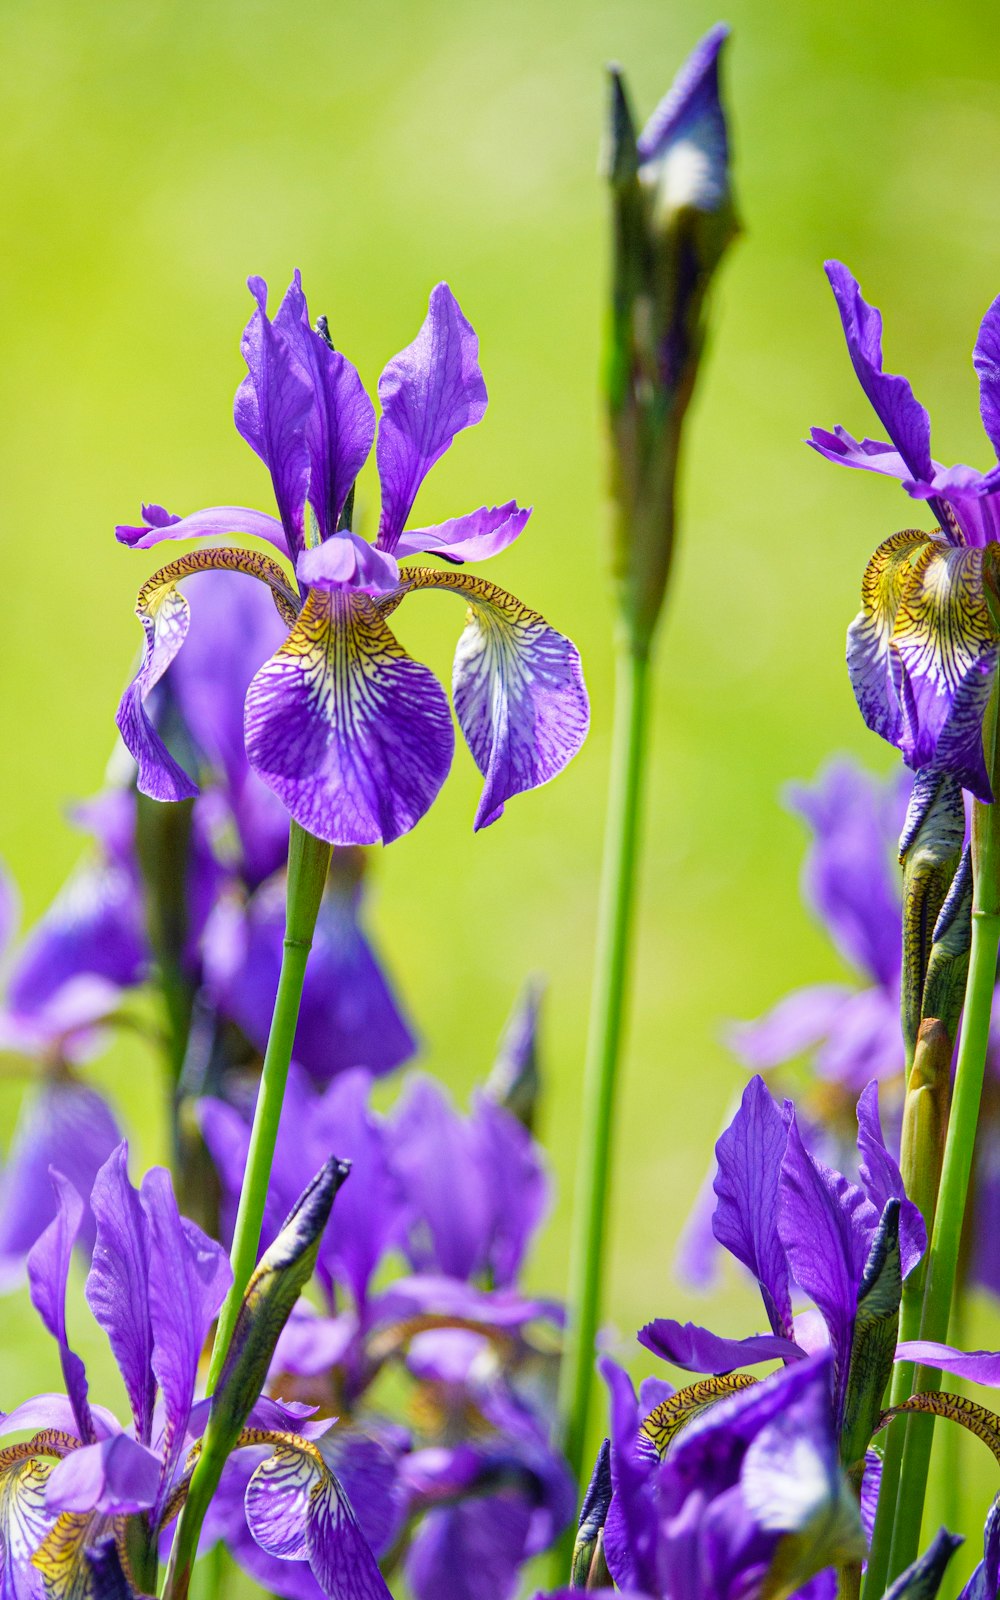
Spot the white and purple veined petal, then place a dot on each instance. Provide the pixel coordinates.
(429, 392)
(296, 1509)
(353, 735)
(340, 422)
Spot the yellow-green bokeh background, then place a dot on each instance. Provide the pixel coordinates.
(155, 154)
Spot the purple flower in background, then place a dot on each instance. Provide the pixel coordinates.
(922, 652)
(352, 734)
(349, 1016)
(849, 881)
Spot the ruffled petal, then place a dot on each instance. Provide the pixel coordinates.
(986, 360)
(429, 392)
(517, 686)
(699, 1350)
(473, 537)
(163, 612)
(214, 522)
(869, 658)
(900, 413)
(271, 411)
(946, 646)
(352, 734)
(340, 426)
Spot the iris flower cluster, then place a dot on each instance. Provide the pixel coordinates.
(352, 735)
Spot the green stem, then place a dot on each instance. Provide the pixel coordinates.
(308, 863)
(942, 1260)
(604, 1048)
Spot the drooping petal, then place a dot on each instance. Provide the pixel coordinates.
(340, 424)
(346, 561)
(68, 1127)
(271, 410)
(163, 612)
(118, 1285)
(214, 522)
(888, 576)
(352, 734)
(882, 1180)
(48, 1272)
(850, 876)
(947, 647)
(891, 397)
(986, 360)
(699, 1350)
(517, 686)
(296, 1508)
(189, 1275)
(474, 537)
(750, 1155)
(116, 1476)
(429, 392)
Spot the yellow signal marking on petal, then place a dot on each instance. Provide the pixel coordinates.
(24, 1473)
(887, 573)
(158, 589)
(943, 615)
(59, 1558)
(956, 1408)
(484, 597)
(670, 1416)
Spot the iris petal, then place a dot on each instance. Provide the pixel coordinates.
(947, 648)
(986, 360)
(869, 657)
(353, 735)
(215, 522)
(163, 612)
(24, 1516)
(517, 686)
(473, 537)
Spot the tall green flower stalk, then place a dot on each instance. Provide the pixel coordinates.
(672, 219)
(308, 864)
(908, 1450)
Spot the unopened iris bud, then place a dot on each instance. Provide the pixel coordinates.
(590, 1569)
(672, 217)
(515, 1081)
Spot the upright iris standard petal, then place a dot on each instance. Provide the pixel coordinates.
(48, 1272)
(164, 614)
(986, 360)
(271, 411)
(870, 662)
(946, 645)
(188, 1279)
(882, 1180)
(900, 413)
(352, 734)
(750, 1154)
(118, 1285)
(429, 392)
(517, 686)
(340, 422)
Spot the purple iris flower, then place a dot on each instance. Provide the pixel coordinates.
(923, 651)
(790, 1219)
(478, 1487)
(352, 734)
(751, 1481)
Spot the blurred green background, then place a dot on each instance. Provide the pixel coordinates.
(155, 154)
